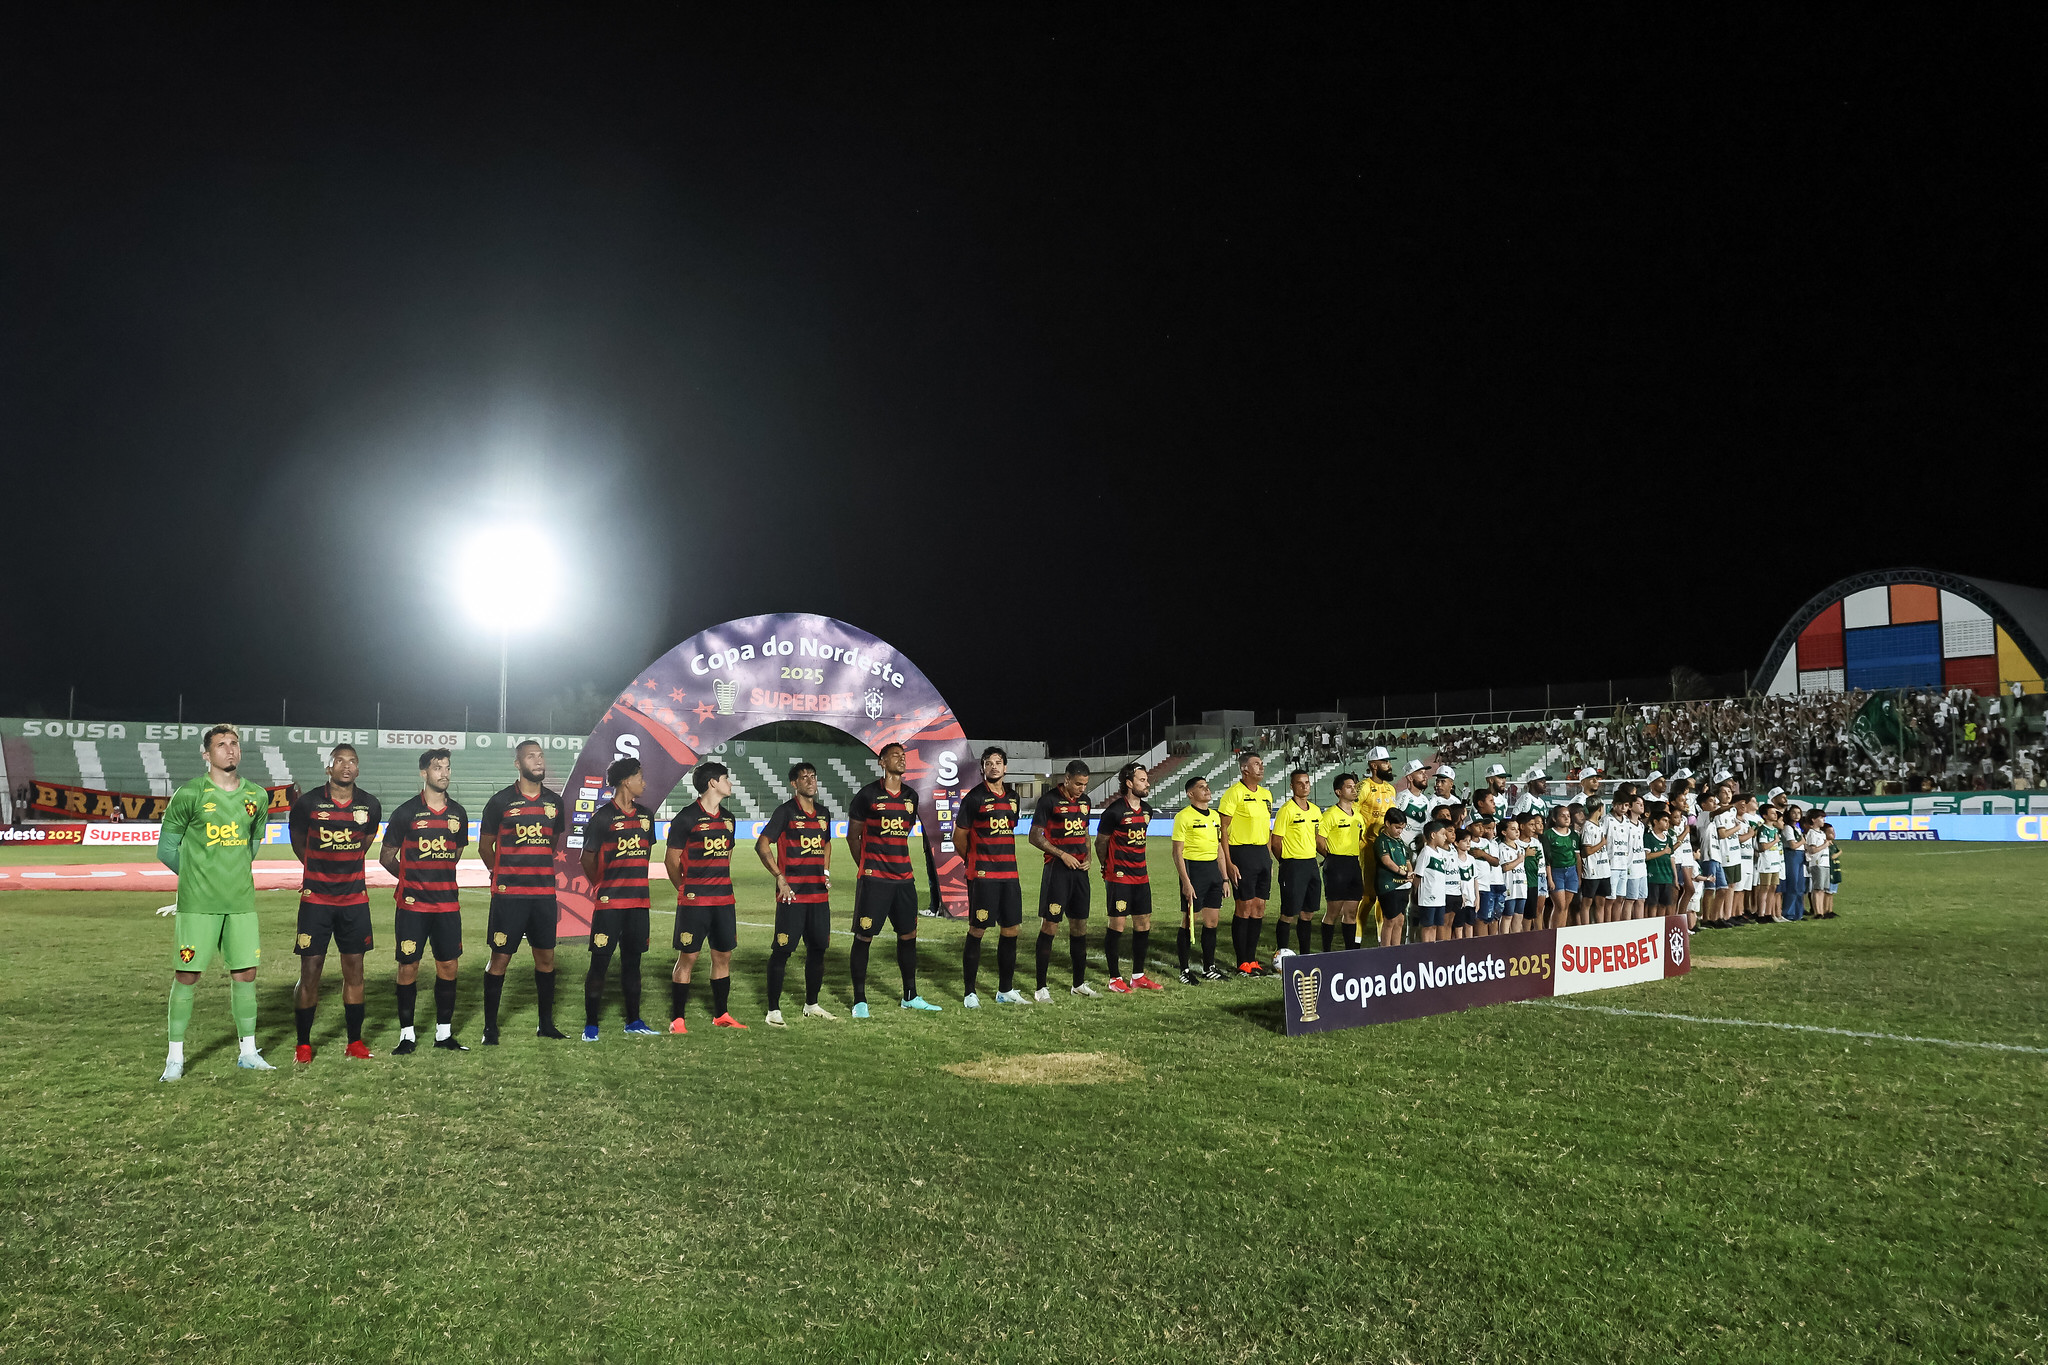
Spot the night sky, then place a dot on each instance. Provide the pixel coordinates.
(1087, 359)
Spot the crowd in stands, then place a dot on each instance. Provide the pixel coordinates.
(1809, 743)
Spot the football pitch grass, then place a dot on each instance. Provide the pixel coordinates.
(1515, 1183)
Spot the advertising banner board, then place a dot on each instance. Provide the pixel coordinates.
(1329, 991)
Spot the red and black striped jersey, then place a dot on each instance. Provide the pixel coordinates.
(989, 819)
(801, 837)
(335, 835)
(527, 829)
(885, 822)
(429, 843)
(1064, 821)
(1127, 826)
(623, 839)
(705, 840)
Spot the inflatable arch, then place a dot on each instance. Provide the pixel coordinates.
(734, 677)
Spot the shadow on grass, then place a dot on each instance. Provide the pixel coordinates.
(1269, 1015)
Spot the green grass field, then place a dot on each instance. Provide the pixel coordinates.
(1512, 1184)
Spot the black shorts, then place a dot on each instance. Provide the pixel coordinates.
(995, 904)
(1254, 864)
(1301, 887)
(1596, 886)
(877, 902)
(1207, 879)
(612, 927)
(807, 922)
(1460, 911)
(1429, 916)
(415, 930)
(1394, 904)
(706, 926)
(1343, 880)
(1126, 898)
(515, 917)
(1663, 893)
(347, 925)
(1063, 891)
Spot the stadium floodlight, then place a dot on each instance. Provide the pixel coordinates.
(507, 576)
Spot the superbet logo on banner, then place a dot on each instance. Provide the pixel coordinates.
(1592, 957)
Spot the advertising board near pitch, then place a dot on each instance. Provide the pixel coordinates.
(1329, 991)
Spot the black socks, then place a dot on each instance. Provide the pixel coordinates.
(444, 1001)
(1112, 949)
(1141, 949)
(1044, 955)
(593, 988)
(970, 962)
(814, 974)
(858, 960)
(406, 996)
(1077, 957)
(906, 963)
(1208, 948)
(721, 996)
(1183, 943)
(678, 999)
(354, 1015)
(1006, 963)
(629, 983)
(494, 991)
(544, 996)
(304, 1015)
(1301, 928)
(1330, 932)
(778, 971)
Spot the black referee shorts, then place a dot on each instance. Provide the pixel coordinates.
(1301, 887)
(997, 904)
(1254, 864)
(1207, 880)
(1342, 878)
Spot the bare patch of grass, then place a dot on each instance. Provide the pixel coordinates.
(1738, 962)
(1049, 1068)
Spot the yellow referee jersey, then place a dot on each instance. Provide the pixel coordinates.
(1251, 813)
(1199, 832)
(1343, 830)
(1297, 825)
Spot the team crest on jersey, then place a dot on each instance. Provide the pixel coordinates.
(600, 940)
(689, 895)
(305, 940)
(782, 940)
(604, 900)
(249, 807)
(362, 817)
(547, 808)
(498, 938)
(454, 823)
(186, 954)
(408, 946)
(408, 900)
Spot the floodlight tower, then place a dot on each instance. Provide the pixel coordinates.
(510, 576)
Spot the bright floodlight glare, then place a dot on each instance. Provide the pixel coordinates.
(507, 577)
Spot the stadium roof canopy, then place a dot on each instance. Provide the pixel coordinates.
(1912, 628)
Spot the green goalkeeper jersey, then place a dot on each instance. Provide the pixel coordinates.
(217, 833)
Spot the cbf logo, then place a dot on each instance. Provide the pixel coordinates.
(1308, 993)
(874, 704)
(1677, 947)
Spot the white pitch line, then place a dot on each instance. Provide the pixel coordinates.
(1792, 1028)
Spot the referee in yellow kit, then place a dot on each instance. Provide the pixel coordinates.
(1301, 878)
(1247, 811)
(1344, 880)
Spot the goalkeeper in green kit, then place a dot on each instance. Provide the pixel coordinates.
(209, 836)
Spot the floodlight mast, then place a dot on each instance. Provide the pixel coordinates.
(489, 548)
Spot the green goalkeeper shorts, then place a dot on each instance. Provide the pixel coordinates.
(199, 935)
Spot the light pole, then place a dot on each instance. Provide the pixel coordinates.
(509, 551)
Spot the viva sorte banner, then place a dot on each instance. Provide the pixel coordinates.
(1384, 985)
(734, 677)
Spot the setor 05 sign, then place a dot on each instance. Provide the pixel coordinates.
(1382, 985)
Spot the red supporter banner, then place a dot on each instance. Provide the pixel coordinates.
(1383, 985)
(54, 798)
